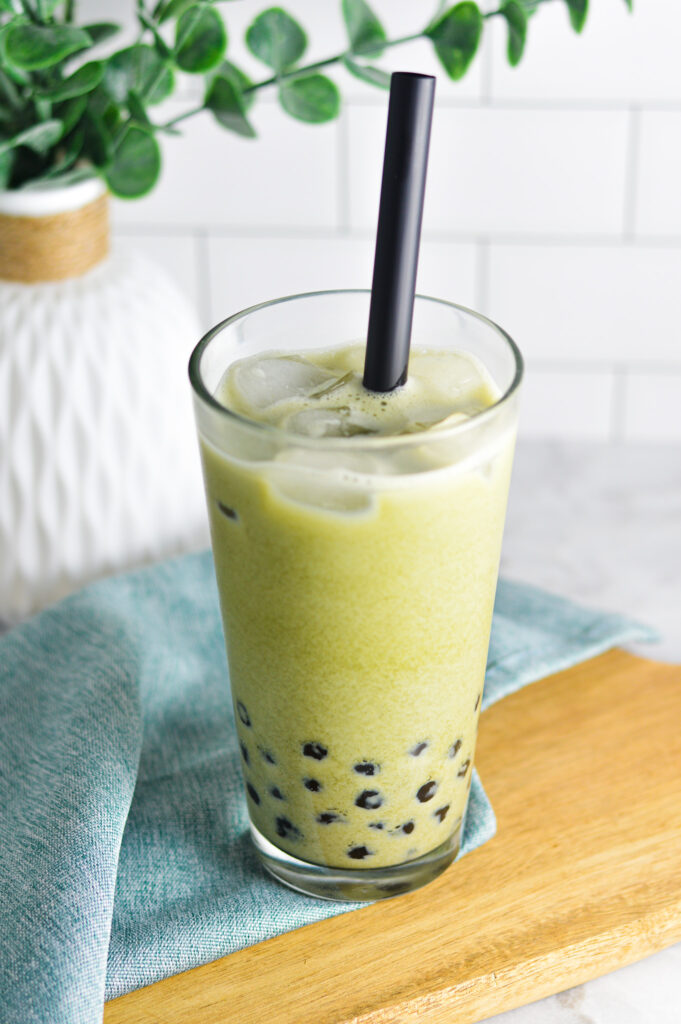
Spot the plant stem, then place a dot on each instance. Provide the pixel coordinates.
(70, 11)
(182, 117)
(30, 12)
(297, 72)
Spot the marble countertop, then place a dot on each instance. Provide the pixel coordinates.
(601, 523)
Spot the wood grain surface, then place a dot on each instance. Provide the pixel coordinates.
(583, 876)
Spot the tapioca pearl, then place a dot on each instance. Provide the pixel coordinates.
(441, 813)
(455, 748)
(367, 768)
(369, 800)
(286, 829)
(427, 791)
(378, 825)
(244, 753)
(359, 852)
(253, 793)
(315, 750)
(267, 756)
(227, 510)
(418, 748)
(464, 768)
(329, 817)
(243, 714)
(314, 785)
(276, 793)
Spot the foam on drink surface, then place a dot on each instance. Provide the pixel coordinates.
(320, 394)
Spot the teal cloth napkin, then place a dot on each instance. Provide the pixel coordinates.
(124, 853)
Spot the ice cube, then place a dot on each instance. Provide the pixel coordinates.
(339, 465)
(319, 489)
(429, 417)
(330, 422)
(447, 375)
(260, 383)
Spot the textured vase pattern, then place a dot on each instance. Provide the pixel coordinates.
(99, 467)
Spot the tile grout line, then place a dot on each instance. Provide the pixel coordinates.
(487, 71)
(631, 174)
(293, 232)
(628, 366)
(203, 275)
(576, 105)
(482, 275)
(343, 172)
(618, 407)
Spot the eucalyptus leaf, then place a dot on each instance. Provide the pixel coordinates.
(365, 31)
(43, 109)
(138, 69)
(33, 47)
(311, 98)
(160, 45)
(39, 137)
(82, 81)
(6, 165)
(71, 112)
(516, 19)
(27, 166)
(239, 79)
(172, 9)
(578, 10)
(61, 180)
(66, 155)
(97, 142)
(200, 39)
(99, 31)
(73, 147)
(100, 103)
(276, 39)
(46, 8)
(136, 165)
(456, 37)
(137, 111)
(367, 73)
(8, 92)
(20, 78)
(226, 103)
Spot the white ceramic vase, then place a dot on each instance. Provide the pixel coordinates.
(99, 467)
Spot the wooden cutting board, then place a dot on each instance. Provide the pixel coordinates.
(583, 876)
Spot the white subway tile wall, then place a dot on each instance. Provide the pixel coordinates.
(246, 270)
(553, 201)
(653, 405)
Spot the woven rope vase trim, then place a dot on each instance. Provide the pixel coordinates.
(56, 246)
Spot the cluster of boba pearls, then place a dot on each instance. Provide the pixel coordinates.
(369, 796)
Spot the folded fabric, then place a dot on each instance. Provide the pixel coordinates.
(124, 851)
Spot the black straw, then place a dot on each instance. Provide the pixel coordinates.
(410, 113)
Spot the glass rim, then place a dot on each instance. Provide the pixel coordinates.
(274, 432)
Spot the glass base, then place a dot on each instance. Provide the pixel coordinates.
(355, 884)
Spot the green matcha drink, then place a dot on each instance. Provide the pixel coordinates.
(356, 539)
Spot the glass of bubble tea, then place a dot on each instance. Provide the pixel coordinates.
(356, 540)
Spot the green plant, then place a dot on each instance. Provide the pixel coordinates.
(66, 115)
